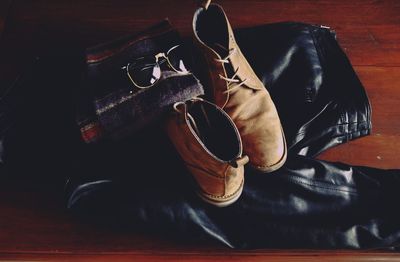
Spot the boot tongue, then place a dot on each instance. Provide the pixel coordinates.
(236, 62)
(223, 52)
(222, 41)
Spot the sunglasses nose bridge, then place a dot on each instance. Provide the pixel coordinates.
(160, 55)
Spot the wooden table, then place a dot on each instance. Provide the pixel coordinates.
(33, 223)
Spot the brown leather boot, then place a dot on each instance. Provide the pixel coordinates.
(234, 86)
(209, 143)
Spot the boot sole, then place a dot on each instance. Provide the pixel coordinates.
(275, 166)
(218, 203)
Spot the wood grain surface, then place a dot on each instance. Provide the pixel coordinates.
(33, 224)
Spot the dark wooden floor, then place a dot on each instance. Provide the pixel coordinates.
(33, 226)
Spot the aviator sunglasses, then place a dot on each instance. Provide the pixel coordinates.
(145, 72)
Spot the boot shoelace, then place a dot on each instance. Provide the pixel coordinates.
(233, 80)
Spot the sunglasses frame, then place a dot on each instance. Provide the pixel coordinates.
(156, 64)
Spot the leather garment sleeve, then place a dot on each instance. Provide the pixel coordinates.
(320, 100)
(307, 204)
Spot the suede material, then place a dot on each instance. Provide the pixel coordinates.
(217, 179)
(250, 105)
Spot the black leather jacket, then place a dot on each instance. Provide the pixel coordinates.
(140, 182)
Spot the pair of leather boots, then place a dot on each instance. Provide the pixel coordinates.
(216, 140)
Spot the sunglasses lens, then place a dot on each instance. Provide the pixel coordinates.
(145, 72)
(175, 57)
